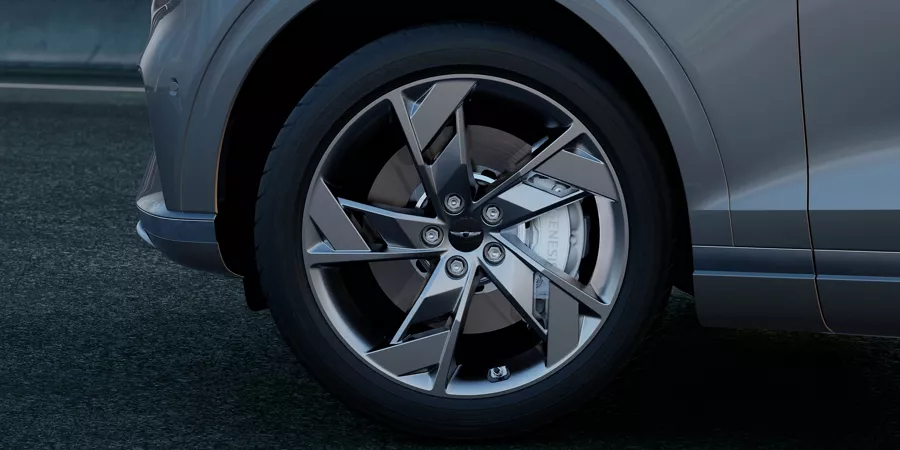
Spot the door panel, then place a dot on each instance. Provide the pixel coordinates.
(742, 59)
(851, 72)
(852, 104)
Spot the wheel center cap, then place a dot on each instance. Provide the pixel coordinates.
(466, 234)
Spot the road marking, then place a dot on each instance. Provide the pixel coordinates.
(71, 87)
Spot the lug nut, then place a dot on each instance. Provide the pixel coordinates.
(456, 267)
(498, 374)
(491, 214)
(453, 204)
(494, 253)
(431, 236)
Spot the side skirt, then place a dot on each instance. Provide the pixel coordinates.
(860, 291)
(749, 287)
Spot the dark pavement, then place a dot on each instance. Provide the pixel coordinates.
(103, 343)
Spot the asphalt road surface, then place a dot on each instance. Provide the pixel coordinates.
(103, 343)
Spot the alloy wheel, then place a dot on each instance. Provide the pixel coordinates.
(482, 187)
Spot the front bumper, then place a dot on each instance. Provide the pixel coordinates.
(188, 239)
(180, 46)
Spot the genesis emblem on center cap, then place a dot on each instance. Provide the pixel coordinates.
(465, 234)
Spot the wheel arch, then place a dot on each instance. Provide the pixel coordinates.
(610, 35)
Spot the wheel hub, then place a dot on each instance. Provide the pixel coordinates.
(466, 234)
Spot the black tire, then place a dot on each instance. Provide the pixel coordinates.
(427, 51)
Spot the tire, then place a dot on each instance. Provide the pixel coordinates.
(434, 50)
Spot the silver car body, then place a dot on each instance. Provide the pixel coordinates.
(781, 115)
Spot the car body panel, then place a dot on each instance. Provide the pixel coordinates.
(681, 112)
(172, 66)
(742, 57)
(257, 26)
(850, 74)
(743, 60)
(179, 51)
(850, 71)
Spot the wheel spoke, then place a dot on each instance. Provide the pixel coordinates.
(402, 232)
(447, 365)
(323, 255)
(539, 156)
(565, 282)
(582, 171)
(332, 221)
(430, 113)
(406, 357)
(396, 228)
(523, 202)
(451, 171)
(549, 311)
(516, 281)
(563, 324)
(441, 296)
(421, 121)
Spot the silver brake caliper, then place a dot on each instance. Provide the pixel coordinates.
(558, 236)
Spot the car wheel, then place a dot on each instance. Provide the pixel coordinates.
(463, 231)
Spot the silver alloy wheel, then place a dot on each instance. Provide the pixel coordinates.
(564, 310)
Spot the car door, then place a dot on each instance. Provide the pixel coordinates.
(851, 89)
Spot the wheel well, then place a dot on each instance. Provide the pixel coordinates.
(272, 89)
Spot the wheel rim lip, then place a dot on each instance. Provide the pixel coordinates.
(616, 256)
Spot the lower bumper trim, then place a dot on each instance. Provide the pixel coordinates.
(188, 239)
(143, 234)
